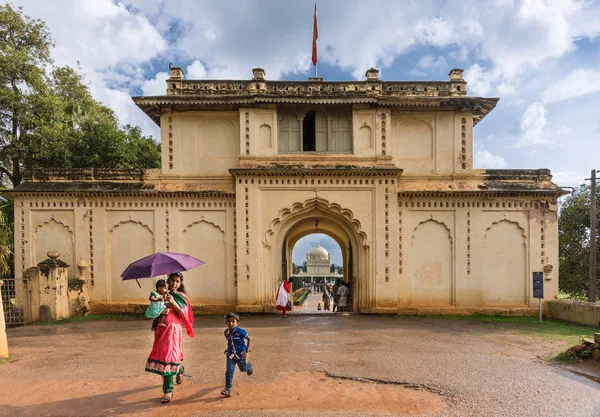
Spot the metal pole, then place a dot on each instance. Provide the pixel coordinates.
(593, 277)
(540, 311)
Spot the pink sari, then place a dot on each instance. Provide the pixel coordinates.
(165, 358)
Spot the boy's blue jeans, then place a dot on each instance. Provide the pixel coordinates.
(241, 363)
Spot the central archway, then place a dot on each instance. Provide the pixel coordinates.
(298, 221)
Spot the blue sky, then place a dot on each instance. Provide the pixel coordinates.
(540, 57)
(310, 241)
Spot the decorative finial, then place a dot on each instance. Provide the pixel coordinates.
(53, 254)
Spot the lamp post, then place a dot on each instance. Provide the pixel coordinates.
(592, 277)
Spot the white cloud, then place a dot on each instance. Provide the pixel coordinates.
(484, 159)
(533, 122)
(196, 70)
(156, 86)
(429, 63)
(533, 129)
(119, 43)
(578, 83)
(569, 178)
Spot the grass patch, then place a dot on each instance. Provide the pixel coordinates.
(530, 326)
(564, 358)
(91, 317)
(4, 360)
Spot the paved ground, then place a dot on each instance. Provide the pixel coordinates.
(438, 367)
(310, 304)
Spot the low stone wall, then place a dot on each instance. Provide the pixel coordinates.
(581, 312)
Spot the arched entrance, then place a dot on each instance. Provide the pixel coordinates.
(299, 221)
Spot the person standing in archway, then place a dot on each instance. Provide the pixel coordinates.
(343, 296)
(336, 297)
(284, 299)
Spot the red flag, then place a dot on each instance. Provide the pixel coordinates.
(315, 37)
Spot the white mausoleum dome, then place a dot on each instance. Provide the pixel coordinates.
(319, 251)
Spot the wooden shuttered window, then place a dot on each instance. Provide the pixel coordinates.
(332, 131)
(289, 133)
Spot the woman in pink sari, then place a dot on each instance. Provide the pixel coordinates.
(165, 358)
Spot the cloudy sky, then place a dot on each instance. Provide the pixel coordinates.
(540, 57)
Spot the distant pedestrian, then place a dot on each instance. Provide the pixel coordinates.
(326, 299)
(283, 298)
(343, 293)
(336, 297)
(238, 347)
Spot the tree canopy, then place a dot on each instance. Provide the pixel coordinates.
(48, 117)
(574, 242)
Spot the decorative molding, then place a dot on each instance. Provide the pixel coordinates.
(203, 221)
(167, 226)
(53, 220)
(171, 162)
(506, 221)
(387, 232)
(543, 257)
(400, 236)
(312, 204)
(463, 142)
(90, 214)
(131, 221)
(247, 231)
(431, 219)
(247, 132)
(383, 134)
(429, 121)
(468, 243)
(23, 239)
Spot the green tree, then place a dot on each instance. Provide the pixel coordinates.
(574, 242)
(25, 46)
(48, 117)
(6, 239)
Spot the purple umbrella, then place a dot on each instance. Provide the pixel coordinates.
(160, 263)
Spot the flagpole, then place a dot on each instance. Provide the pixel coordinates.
(315, 37)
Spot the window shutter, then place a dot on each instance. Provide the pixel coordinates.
(321, 132)
(289, 133)
(340, 139)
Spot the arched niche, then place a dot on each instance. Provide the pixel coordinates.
(431, 265)
(217, 139)
(128, 241)
(54, 235)
(413, 139)
(504, 282)
(365, 138)
(208, 283)
(265, 138)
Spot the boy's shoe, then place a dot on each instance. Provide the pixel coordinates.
(250, 370)
(226, 393)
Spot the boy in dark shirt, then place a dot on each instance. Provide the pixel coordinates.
(238, 346)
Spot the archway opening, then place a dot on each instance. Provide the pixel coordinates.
(318, 272)
(318, 225)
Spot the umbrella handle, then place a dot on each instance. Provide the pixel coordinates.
(140, 285)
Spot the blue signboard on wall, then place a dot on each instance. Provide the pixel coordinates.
(538, 285)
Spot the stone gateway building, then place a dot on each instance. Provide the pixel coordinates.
(249, 166)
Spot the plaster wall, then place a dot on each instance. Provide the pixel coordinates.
(431, 143)
(208, 143)
(200, 143)
(116, 231)
(470, 253)
(410, 253)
